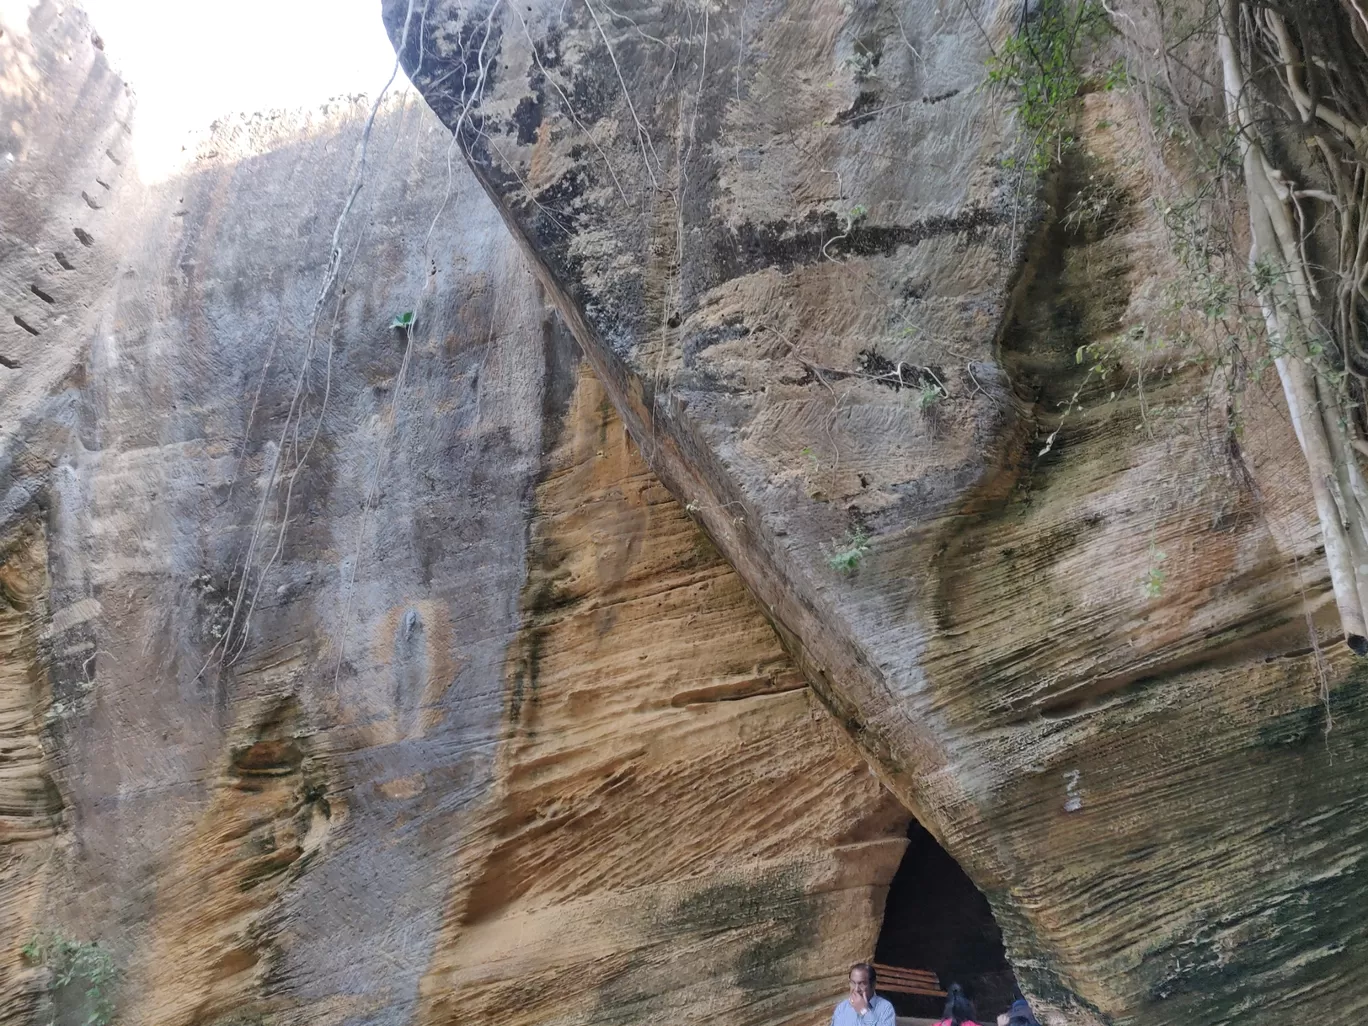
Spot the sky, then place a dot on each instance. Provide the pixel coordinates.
(191, 61)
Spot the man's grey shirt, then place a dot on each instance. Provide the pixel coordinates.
(880, 1014)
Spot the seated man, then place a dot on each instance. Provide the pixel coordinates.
(863, 1007)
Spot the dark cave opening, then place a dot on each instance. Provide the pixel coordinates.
(936, 919)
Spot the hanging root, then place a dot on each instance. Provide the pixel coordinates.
(420, 319)
(1318, 357)
(290, 457)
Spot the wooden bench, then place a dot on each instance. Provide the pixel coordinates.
(897, 980)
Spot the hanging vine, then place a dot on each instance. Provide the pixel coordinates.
(1297, 73)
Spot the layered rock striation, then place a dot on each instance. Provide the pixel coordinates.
(360, 673)
(1077, 623)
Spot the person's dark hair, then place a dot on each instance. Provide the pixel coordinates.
(873, 975)
(958, 1007)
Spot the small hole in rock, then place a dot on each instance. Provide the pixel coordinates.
(25, 325)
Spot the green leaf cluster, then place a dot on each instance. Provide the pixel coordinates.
(846, 556)
(84, 966)
(1042, 66)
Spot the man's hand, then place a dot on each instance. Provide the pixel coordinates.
(858, 1002)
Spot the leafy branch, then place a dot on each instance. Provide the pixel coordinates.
(1041, 65)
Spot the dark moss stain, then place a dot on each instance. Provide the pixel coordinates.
(914, 290)
(625, 996)
(1073, 295)
(1313, 891)
(1344, 709)
(786, 245)
(452, 62)
(703, 554)
(593, 93)
(561, 357)
(757, 927)
(891, 375)
(698, 341)
(569, 187)
(527, 118)
(860, 112)
(526, 690)
(548, 50)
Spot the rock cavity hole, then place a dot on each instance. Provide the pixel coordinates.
(936, 919)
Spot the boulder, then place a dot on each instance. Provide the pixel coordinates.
(1085, 637)
(354, 667)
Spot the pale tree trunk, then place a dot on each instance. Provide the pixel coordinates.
(1285, 294)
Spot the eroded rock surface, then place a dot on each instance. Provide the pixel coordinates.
(354, 674)
(677, 832)
(1083, 647)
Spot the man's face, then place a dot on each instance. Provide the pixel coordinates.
(861, 990)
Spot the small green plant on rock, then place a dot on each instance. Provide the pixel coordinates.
(863, 63)
(928, 395)
(1154, 575)
(845, 556)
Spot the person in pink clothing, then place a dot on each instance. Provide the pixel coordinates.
(959, 1010)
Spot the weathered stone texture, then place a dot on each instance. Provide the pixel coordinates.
(677, 832)
(297, 723)
(63, 155)
(773, 229)
(31, 808)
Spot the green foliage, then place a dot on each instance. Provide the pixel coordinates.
(863, 63)
(846, 555)
(928, 395)
(1154, 575)
(403, 320)
(1042, 66)
(1116, 78)
(1102, 357)
(82, 969)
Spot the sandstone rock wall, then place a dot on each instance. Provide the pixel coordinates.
(1083, 646)
(677, 832)
(354, 675)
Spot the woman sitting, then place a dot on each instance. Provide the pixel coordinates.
(959, 1010)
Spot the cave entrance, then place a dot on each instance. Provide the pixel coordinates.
(936, 919)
